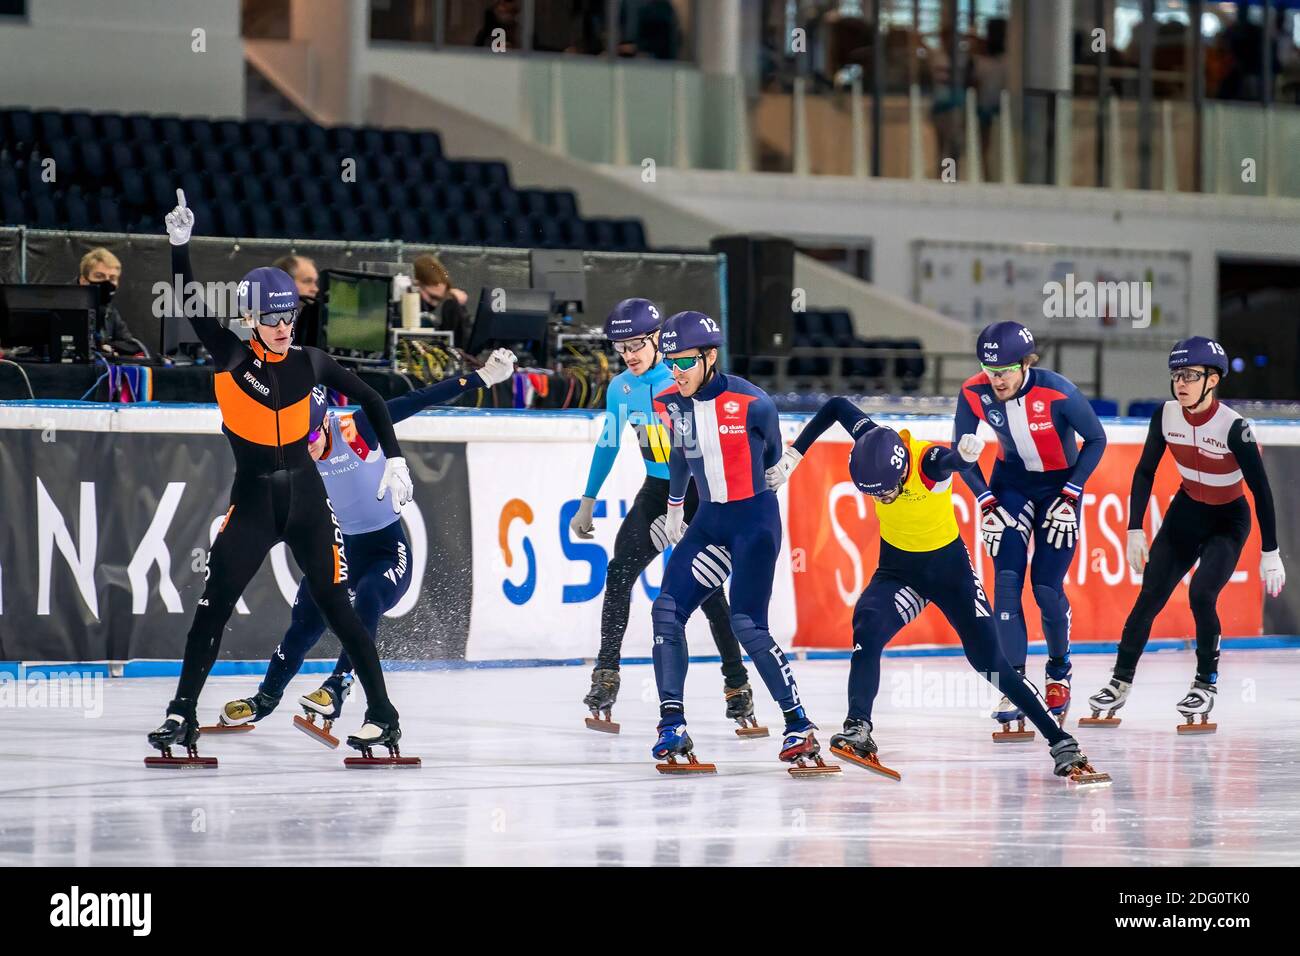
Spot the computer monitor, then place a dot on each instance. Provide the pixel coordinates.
(561, 272)
(354, 314)
(54, 321)
(519, 319)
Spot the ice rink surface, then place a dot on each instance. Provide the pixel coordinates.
(511, 776)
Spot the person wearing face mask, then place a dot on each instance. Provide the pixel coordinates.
(349, 458)
(1208, 521)
(442, 305)
(102, 269)
(304, 274)
(633, 328)
(263, 390)
(725, 433)
(1035, 492)
(923, 560)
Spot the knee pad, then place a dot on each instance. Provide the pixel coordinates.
(1051, 601)
(1008, 588)
(753, 638)
(664, 618)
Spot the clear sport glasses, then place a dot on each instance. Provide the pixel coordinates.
(624, 346)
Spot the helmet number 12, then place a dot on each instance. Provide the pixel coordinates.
(709, 324)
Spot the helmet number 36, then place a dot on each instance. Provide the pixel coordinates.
(896, 459)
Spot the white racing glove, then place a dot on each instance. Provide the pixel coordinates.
(674, 523)
(779, 473)
(397, 479)
(1137, 550)
(994, 519)
(1271, 570)
(582, 522)
(1062, 521)
(499, 367)
(180, 221)
(970, 447)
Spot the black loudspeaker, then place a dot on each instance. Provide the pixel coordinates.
(760, 281)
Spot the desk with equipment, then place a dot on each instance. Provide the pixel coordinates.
(48, 323)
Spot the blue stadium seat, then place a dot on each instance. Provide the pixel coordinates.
(562, 204)
(151, 156)
(229, 135)
(123, 157)
(1144, 408)
(43, 214)
(347, 223)
(253, 191)
(437, 170)
(20, 126)
(436, 228)
(495, 175)
(76, 214)
(140, 128)
(376, 224)
(80, 125)
(343, 140)
(319, 224)
(66, 166)
(94, 164)
(257, 134)
(465, 229)
(401, 142)
(49, 126)
(240, 162)
(532, 202)
(288, 136)
(409, 169)
(289, 222)
(171, 129)
(506, 202)
(372, 142)
(107, 214)
(230, 220)
(111, 127)
(428, 145)
(600, 235)
(12, 212)
(210, 160)
(1104, 407)
(497, 231)
(314, 139)
(134, 193)
(261, 222)
(633, 235)
(199, 133)
(179, 158)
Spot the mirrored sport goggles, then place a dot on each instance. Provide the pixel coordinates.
(683, 363)
(624, 346)
(1189, 375)
(1000, 371)
(272, 319)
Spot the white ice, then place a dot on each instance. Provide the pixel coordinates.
(511, 776)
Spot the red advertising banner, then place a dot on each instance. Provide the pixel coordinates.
(835, 545)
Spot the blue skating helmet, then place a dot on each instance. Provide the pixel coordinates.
(689, 330)
(267, 290)
(319, 406)
(1004, 343)
(878, 461)
(632, 319)
(1198, 350)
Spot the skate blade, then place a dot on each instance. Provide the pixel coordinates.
(871, 763)
(1099, 721)
(371, 763)
(182, 763)
(315, 731)
(752, 732)
(1190, 728)
(1090, 778)
(691, 765)
(226, 728)
(1012, 736)
(813, 767)
(601, 725)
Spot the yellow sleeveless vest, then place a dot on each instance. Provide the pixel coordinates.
(921, 518)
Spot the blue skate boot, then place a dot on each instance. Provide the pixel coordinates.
(675, 742)
(1004, 714)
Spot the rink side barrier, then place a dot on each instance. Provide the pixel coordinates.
(109, 511)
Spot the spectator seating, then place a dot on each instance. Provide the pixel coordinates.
(285, 180)
(833, 329)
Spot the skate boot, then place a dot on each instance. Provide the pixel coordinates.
(799, 747)
(740, 708)
(675, 742)
(855, 745)
(1199, 701)
(373, 734)
(1073, 764)
(179, 727)
(240, 715)
(1057, 694)
(1004, 714)
(1110, 699)
(600, 700)
(326, 702)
